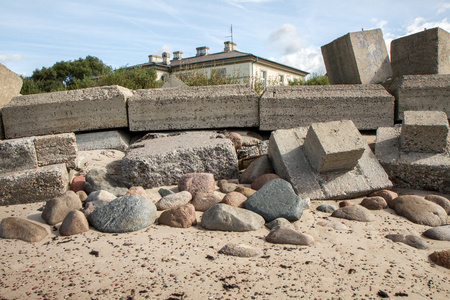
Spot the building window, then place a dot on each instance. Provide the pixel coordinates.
(263, 77)
(281, 79)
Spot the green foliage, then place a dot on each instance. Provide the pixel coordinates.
(198, 76)
(314, 79)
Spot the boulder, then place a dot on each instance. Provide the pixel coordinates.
(235, 199)
(439, 200)
(374, 203)
(74, 223)
(226, 186)
(174, 200)
(441, 258)
(82, 194)
(246, 191)
(258, 167)
(354, 212)
(164, 192)
(77, 183)
(100, 195)
(197, 183)
(263, 179)
(387, 195)
(137, 191)
(182, 217)
(98, 179)
(441, 233)
(420, 211)
(236, 138)
(228, 218)
(280, 222)
(124, 214)
(21, 229)
(410, 240)
(203, 201)
(57, 208)
(240, 250)
(276, 199)
(327, 208)
(286, 235)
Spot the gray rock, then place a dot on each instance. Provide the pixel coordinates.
(410, 240)
(174, 200)
(240, 250)
(17, 155)
(98, 179)
(74, 223)
(354, 212)
(100, 195)
(226, 187)
(124, 214)
(285, 235)
(279, 222)
(115, 139)
(21, 229)
(257, 168)
(441, 233)
(164, 192)
(276, 199)
(326, 208)
(440, 200)
(333, 224)
(420, 211)
(228, 218)
(57, 208)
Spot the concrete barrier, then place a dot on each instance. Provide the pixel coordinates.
(56, 149)
(2, 133)
(17, 155)
(113, 139)
(425, 52)
(70, 111)
(357, 57)
(10, 85)
(368, 106)
(421, 92)
(199, 107)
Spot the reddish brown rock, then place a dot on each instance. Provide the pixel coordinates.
(203, 201)
(21, 229)
(247, 192)
(77, 183)
(263, 179)
(441, 258)
(387, 195)
(236, 138)
(374, 203)
(344, 203)
(197, 183)
(235, 199)
(138, 191)
(57, 208)
(182, 217)
(74, 223)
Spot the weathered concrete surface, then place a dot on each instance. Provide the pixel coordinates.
(421, 92)
(424, 131)
(193, 108)
(427, 171)
(56, 148)
(2, 132)
(162, 161)
(69, 111)
(173, 82)
(34, 185)
(284, 107)
(17, 155)
(425, 52)
(357, 57)
(287, 153)
(10, 85)
(114, 139)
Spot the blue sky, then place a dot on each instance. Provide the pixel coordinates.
(34, 34)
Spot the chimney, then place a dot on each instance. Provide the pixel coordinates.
(178, 55)
(166, 58)
(229, 46)
(154, 59)
(201, 51)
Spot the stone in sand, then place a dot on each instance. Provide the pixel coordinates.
(246, 191)
(137, 191)
(262, 180)
(240, 250)
(203, 201)
(258, 167)
(225, 186)
(327, 208)
(374, 203)
(174, 200)
(286, 235)
(279, 222)
(228, 218)
(98, 179)
(77, 183)
(100, 195)
(74, 223)
(387, 195)
(439, 200)
(235, 199)
(21, 229)
(182, 217)
(410, 240)
(420, 211)
(355, 213)
(441, 233)
(197, 183)
(441, 258)
(57, 208)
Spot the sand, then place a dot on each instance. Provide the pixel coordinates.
(162, 262)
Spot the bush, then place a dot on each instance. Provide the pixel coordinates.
(314, 79)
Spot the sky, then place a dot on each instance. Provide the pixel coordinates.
(36, 34)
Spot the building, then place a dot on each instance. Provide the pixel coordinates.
(244, 66)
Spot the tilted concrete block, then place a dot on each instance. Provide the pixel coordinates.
(418, 170)
(17, 155)
(368, 106)
(421, 92)
(424, 131)
(219, 106)
(357, 57)
(113, 139)
(10, 85)
(2, 132)
(333, 146)
(425, 52)
(69, 111)
(56, 149)
(34, 185)
(162, 161)
(287, 153)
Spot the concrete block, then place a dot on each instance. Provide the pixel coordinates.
(173, 82)
(56, 149)
(10, 85)
(284, 107)
(424, 131)
(333, 146)
(193, 108)
(357, 58)
(17, 155)
(287, 153)
(418, 170)
(421, 92)
(162, 161)
(425, 52)
(114, 139)
(34, 185)
(69, 111)
(2, 132)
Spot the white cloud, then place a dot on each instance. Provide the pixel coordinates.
(9, 58)
(419, 24)
(443, 8)
(379, 23)
(308, 59)
(164, 48)
(286, 39)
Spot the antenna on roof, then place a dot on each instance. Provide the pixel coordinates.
(231, 31)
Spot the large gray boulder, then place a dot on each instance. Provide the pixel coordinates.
(124, 214)
(276, 199)
(228, 218)
(420, 211)
(162, 161)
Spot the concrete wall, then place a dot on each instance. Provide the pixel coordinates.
(10, 85)
(426, 52)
